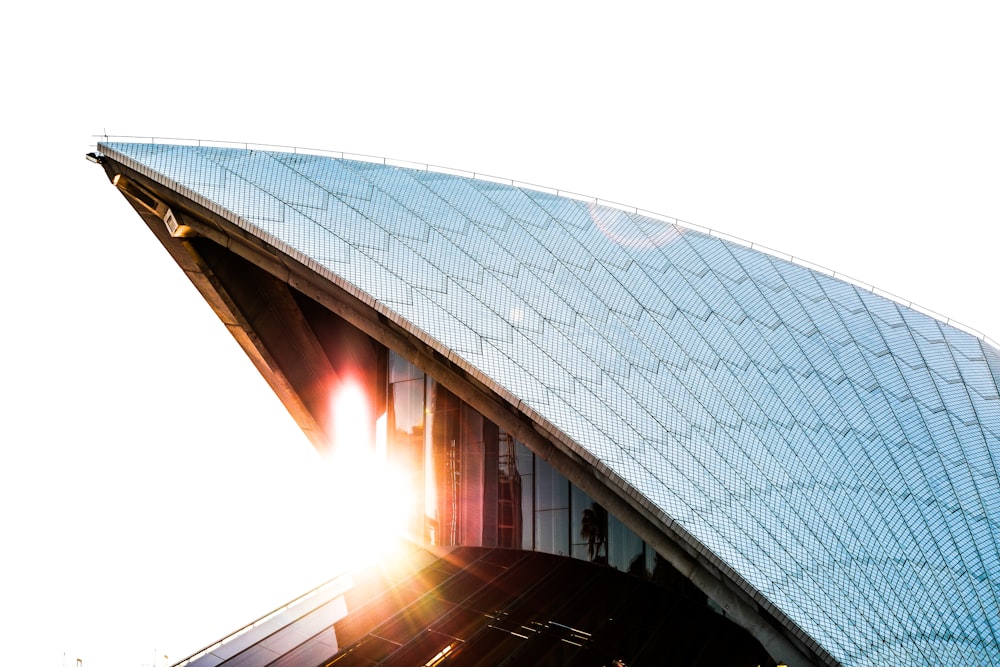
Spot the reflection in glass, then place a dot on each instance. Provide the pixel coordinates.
(526, 468)
(552, 531)
(625, 551)
(590, 527)
(442, 466)
(482, 486)
(510, 518)
(408, 408)
(551, 509)
(405, 431)
(551, 488)
(594, 529)
(400, 369)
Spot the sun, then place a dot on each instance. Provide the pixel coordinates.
(369, 506)
(370, 500)
(352, 433)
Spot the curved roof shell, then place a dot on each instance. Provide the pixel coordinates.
(834, 453)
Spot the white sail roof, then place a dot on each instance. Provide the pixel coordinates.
(835, 452)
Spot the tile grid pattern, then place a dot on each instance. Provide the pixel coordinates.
(838, 451)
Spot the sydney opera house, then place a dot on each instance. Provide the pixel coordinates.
(629, 441)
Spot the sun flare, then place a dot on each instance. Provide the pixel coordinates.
(351, 420)
(371, 500)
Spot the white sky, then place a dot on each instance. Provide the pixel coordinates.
(154, 495)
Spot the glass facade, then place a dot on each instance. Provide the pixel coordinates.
(834, 452)
(481, 487)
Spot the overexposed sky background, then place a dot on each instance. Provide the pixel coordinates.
(154, 494)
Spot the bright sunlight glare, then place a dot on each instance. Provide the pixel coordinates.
(371, 500)
(351, 420)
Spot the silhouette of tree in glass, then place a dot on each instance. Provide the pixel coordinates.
(594, 529)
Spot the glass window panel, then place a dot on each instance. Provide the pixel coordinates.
(625, 549)
(551, 488)
(400, 369)
(552, 531)
(526, 468)
(408, 407)
(588, 527)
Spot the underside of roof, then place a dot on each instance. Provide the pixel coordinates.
(820, 460)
